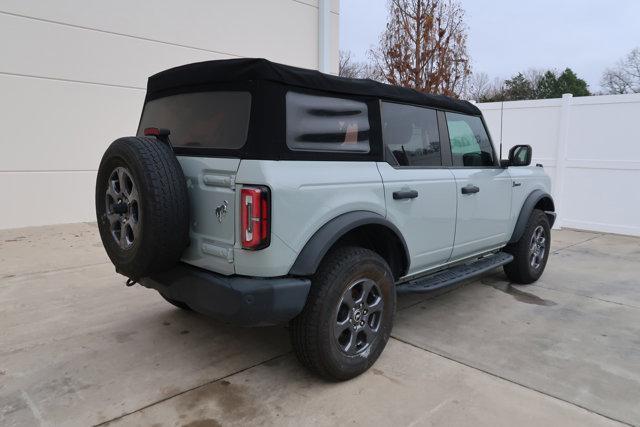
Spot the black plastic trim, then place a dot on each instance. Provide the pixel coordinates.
(242, 300)
(526, 210)
(405, 194)
(316, 248)
(445, 144)
(456, 274)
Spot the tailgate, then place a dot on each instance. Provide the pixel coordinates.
(211, 186)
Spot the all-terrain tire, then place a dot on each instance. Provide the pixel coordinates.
(162, 206)
(312, 332)
(523, 270)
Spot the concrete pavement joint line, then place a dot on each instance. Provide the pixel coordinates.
(511, 381)
(47, 170)
(578, 243)
(585, 296)
(34, 409)
(421, 419)
(55, 270)
(191, 389)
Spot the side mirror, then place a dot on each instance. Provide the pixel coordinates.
(519, 155)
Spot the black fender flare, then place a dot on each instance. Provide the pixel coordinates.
(324, 238)
(527, 208)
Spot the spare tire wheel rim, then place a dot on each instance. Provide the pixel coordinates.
(122, 206)
(358, 317)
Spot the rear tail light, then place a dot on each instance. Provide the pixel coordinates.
(255, 211)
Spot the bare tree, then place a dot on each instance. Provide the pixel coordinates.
(534, 75)
(347, 67)
(424, 46)
(478, 87)
(624, 77)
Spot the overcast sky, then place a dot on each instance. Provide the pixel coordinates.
(507, 36)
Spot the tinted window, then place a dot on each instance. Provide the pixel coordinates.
(202, 119)
(470, 145)
(321, 123)
(411, 135)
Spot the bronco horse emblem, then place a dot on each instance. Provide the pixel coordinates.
(221, 211)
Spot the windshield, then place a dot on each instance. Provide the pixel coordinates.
(202, 119)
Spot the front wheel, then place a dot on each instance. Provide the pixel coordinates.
(348, 317)
(530, 253)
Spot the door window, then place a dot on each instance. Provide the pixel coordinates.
(410, 135)
(470, 144)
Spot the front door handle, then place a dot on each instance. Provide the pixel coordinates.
(470, 189)
(405, 194)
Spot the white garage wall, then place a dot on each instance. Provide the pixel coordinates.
(73, 76)
(590, 146)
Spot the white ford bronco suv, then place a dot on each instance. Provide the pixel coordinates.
(259, 193)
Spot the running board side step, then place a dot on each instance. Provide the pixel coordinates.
(454, 275)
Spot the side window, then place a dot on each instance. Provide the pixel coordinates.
(322, 123)
(410, 135)
(470, 145)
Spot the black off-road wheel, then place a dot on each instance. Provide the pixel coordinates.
(531, 252)
(348, 317)
(142, 206)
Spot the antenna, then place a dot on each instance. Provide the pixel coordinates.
(501, 116)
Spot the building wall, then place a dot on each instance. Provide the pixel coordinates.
(590, 146)
(73, 76)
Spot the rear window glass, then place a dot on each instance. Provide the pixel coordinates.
(201, 119)
(322, 123)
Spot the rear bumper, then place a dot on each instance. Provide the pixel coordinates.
(242, 300)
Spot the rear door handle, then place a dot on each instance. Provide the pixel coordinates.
(470, 189)
(405, 194)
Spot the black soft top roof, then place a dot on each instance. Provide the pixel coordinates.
(256, 69)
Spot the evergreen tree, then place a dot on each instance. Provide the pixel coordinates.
(547, 86)
(518, 88)
(568, 82)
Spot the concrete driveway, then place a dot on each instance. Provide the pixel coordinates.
(79, 348)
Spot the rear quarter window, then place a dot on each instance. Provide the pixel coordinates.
(217, 120)
(322, 123)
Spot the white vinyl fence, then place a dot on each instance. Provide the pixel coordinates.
(589, 146)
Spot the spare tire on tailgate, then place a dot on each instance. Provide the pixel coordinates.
(142, 206)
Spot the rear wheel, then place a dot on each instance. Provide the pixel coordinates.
(348, 316)
(530, 253)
